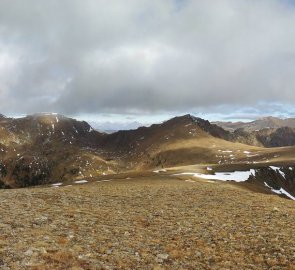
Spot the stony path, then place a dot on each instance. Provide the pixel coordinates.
(146, 224)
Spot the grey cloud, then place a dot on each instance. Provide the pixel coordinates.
(133, 56)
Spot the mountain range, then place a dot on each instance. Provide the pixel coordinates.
(267, 131)
(48, 148)
(269, 122)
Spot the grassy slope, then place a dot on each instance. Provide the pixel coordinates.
(152, 222)
(210, 150)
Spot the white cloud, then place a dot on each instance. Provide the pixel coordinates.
(145, 56)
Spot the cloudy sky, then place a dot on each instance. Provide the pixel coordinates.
(146, 60)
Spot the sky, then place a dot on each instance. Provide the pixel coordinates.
(143, 61)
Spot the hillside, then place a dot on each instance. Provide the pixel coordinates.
(144, 146)
(148, 222)
(284, 136)
(267, 132)
(46, 148)
(51, 148)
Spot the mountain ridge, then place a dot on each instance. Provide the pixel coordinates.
(49, 148)
(261, 123)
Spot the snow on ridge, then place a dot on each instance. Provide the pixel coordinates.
(106, 180)
(278, 169)
(287, 194)
(237, 176)
(252, 155)
(280, 191)
(81, 181)
(57, 184)
(274, 168)
(160, 170)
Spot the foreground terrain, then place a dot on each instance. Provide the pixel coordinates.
(155, 221)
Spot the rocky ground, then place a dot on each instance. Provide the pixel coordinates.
(146, 223)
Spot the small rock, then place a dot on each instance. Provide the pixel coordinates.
(109, 251)
(29, 252)
(198, 254)
(41, 250)
(162, 257)
(275, 209)
(40, 220)
(127, 233)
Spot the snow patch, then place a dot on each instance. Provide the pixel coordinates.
(280, 191)
(252, 155)
(287, 194)
(278, 169)
(106, 180)
(81, 181)
(237, 176)
(56, 184)
(160, 170)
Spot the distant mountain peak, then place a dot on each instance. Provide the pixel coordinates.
(185, 117)
(268, 122)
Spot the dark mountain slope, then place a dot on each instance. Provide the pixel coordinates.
(42, 148)
(267, 132)
(284, 136)
(277, 179)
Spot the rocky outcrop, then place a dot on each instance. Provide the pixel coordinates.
(278, 179)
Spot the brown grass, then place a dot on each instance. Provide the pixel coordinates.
(126, 224)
